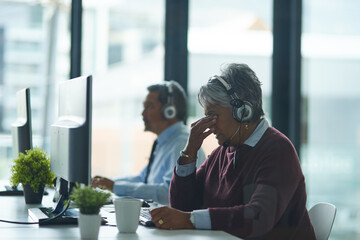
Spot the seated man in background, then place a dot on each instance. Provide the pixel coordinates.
(164, 114)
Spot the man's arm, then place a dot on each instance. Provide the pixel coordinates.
(137, 178)
(157, 192)
(107, 183)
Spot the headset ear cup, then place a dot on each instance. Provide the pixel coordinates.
(243, 113)
(248, 112)
(169, 111)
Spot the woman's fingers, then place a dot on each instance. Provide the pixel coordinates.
(206, 133)
(165, 225)
(207, 121)
(199, 131)
(170, 218)
(203, 125)
(194, 123)
(156, 214)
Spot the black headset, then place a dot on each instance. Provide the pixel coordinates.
(169, 109)
(242, 110)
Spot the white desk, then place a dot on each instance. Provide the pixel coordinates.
(13, 208)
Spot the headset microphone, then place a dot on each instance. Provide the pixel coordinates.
(227, 142)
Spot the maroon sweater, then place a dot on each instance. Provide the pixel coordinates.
(263, 196)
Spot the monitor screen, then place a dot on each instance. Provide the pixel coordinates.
(21, 129)
(70, 140)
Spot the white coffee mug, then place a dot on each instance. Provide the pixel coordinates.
(127, 212)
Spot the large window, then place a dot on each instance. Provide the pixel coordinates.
(34, 53)
(123, 48)
(331, 96)
(225, 32)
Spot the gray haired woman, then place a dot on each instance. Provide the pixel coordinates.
(252, 185)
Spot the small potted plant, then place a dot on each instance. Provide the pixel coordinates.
(89, 201)
(32, 170)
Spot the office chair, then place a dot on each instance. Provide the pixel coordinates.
(322, 217)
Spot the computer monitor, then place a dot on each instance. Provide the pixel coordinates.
(70, 140)
(21, 129)
(21, 135)
(70, 144)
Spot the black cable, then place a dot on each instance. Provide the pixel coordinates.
(6, 221)
(41, 221)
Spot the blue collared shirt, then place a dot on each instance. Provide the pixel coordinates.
(170, 142)
(202, 216)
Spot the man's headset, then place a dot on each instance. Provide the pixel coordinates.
(169, 109)
(242, 110)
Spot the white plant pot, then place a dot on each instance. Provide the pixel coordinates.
(89, 225)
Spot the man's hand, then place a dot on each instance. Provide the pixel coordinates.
(102, 182)
(171, 218)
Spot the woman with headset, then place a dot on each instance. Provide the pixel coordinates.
(252, 185)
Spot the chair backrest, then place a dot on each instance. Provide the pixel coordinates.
(322, 217)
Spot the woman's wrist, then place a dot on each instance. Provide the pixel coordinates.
(188, 224)
(192, 157)
(186, 158)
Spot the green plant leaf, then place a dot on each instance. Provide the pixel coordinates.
(32, 168)
(88, 199)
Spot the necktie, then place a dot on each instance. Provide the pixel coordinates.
(151, 159)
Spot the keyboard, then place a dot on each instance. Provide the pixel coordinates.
(145, 218)
(9, 191)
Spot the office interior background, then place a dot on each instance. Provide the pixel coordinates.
(123, 45)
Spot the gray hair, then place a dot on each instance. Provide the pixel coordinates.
(243, 81)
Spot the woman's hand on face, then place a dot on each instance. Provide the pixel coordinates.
(170, 218)
(200, 130)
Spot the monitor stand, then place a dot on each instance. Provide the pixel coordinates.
(43, 215)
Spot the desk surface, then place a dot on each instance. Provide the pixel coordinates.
(13, 208)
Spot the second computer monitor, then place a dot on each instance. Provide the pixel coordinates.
(21, 129)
